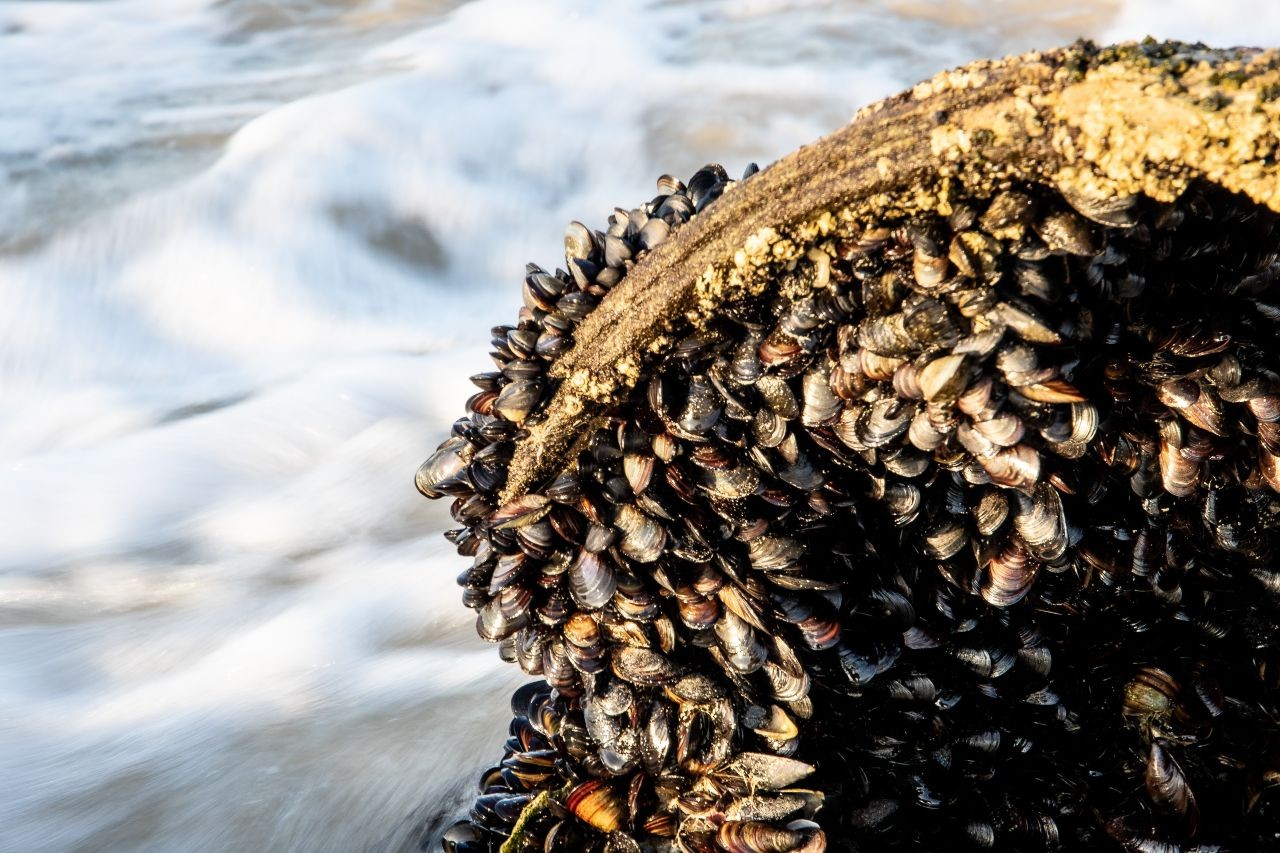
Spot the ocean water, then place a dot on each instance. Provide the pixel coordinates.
(249, 252)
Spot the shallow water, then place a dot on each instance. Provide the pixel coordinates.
(249, 252)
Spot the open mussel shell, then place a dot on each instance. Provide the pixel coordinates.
(775, 724)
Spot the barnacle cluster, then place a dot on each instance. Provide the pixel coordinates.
(957, 536)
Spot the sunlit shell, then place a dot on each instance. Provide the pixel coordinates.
(944, 379)
(505, 614)
(638, 468)
(524, 510)
(592, 580)
(1041, 522)
(946, 540)
(517, 400)
(698, 612)
(875, 366)
(642, 537)
(991, 511)
(509, 569)
(923, 434)
(703, 734)
(777, 725)
(820, 403)
(582, 630)
(1017, 467)
(444, 473)
(741, 604)
(1052, 391)
(743, 650)
(597, 804)
(884, 421)
(775, 553)
(758, 837)
(1004, 430)
(1027, 323)
(644, 667)
(1178, 474)
(737, 482)
(1008, 576)
(769, 427)
(1150, 693)
(703, 408)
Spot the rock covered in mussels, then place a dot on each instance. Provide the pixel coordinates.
(958, 537)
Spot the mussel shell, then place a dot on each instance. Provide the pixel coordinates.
(739, 481)
(1167, 785)
(884, 421)
(1007, 578)
(521, 511)
(643, 538)
(463, 837)
(1017, 467)
(506, 613)
(518, 399)
(592, 580)
(946, 540)
(1008, 211)
(598, 804)
(991, 511)
(944, 379)
(758, 837)
(1115, 210)
(978, 481)
(1066, 232)
(1041, 522)
(703, 407)
(820, 403)
(444, 472)
(775, 553)
(643, 667)
(743, 650)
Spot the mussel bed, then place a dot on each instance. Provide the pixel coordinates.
(959, 536)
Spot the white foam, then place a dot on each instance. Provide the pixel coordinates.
(1249, 23)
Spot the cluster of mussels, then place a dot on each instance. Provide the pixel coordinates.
(959, 537)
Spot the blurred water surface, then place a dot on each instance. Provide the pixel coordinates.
(249, 252)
